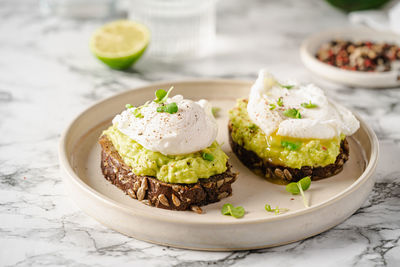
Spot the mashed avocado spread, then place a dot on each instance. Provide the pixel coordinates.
(186, 169)
(280, 150)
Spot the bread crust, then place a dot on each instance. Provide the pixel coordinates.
(286, 174)
(160, 194)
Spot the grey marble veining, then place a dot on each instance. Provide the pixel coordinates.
(48, 76)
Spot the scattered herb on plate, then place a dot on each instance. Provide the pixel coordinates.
(277, 210)
(292, 113)
(162, 95)
(230, 210)
(309, 105)
(170, 108)
(291, 145)
(300, 187)
(215, 111)
(272, 106)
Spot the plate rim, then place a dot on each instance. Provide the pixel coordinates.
(72, 176)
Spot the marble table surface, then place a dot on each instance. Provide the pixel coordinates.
(48, 76)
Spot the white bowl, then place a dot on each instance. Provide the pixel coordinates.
(332, 200)
(311, 45)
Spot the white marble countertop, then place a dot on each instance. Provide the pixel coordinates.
(48, 76)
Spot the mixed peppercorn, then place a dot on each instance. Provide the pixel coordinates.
(361, 56)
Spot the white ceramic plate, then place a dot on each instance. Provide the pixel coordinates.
(352, 78)
(332, 200)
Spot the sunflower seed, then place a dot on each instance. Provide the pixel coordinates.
(223, 195)
(196, 209)
(209, 184)
(140, 193)
(163, 200)
(131, 193)
(175, 188)
(287, 174)
(227, 180)
(176, 200)
(136, 185)
(220, 183)
(279, 173)
(144, 184)
(146, 202)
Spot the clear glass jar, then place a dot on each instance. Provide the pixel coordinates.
(180, 29)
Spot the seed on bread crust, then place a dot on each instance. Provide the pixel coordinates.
(163, 200)
(148, 189)
(175, 200)
(196, 209)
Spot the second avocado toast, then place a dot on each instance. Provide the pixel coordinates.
(289, 131)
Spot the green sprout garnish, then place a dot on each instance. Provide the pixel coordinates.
(292, 113)
(162, 95)
(309, 105)
(215, 111)
(137, 114)
(291, 145)
(170, 108)
(253, 127)
(277, 210)
(230, 210)
(280, 102)
(135, 111)
(272, 106)
(300, 187)
(286, 86)
(207, 156)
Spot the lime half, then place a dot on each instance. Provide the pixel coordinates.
(119, 44)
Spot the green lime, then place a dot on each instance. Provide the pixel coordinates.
(121, 43)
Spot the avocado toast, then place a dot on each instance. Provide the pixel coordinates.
(167, 157)
(288, 131)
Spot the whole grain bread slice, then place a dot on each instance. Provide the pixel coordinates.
(286, 174)
(160, 194)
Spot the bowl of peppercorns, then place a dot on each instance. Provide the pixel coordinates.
(359, 57)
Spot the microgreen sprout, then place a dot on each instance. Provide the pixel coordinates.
(300, 187)
(291, 145)
(207, 156)
(170, 108)
(277, 210)
(215, 111)
(286, 86)
(162, 95)
(135, 111)
(292, 113)
(280, 102)
(309, 105)
(230, 210)
(272, 106)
